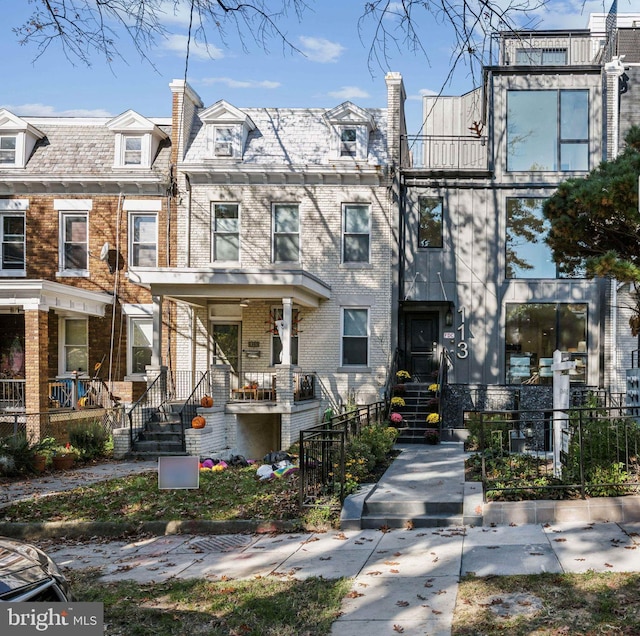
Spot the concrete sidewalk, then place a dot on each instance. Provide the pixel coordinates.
(402, 578)
(406, 578)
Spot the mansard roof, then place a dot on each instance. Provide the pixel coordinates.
(285, 137)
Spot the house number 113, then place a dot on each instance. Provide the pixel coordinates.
(462, 346)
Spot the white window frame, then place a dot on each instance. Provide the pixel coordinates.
(275, 234)
(136, 313)
(133, 215)
(348, 148)
(64, 368)
(121, 150)
(17, 208)
(15, 150)
(223, 140)
(345, 233)
(71, 207)
(215, 232)
(343, 336)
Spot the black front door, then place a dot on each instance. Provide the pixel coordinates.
(421, 337)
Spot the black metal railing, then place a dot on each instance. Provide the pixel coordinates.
(144, 410)
(322, 452)
(593, 451)
(190, 407)
(304, 386)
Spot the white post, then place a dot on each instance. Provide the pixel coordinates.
(561, 392)
(284, 330)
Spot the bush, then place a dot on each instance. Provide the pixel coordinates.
(17, 454)
(90, 439)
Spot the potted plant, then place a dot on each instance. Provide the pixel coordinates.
(431, 436)
(403, 376)
(397, 402)
(64, 457)
(41, 452)
(395, 418)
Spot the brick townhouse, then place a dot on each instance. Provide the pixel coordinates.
(82, 201)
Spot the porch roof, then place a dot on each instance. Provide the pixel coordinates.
(39, 294)
(197, 285)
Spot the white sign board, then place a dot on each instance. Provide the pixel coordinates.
(179, 472)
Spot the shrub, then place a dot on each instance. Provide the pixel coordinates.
(89, 439)
(19, 453)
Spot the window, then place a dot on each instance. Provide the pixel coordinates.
(132, 150)
(226, 232)
(13, 242)
(276, 343)
(534, 331)
(75, 345)
(286, 233)
(548, 130)
(74, 242)
(8, 149)
(528, 256)
(348, 142)
(355, 337)
(143, 235)
(140, 342)
(430, 230)
(223, 142)
(356, 234)
(541, 57)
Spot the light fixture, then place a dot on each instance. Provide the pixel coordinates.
(448, 318)
(244, 302)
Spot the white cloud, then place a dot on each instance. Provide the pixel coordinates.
(178, 44)
(349, 92)
(234, 83)
(44, 110)
(423, 92)
(321, 50)
(172, 14)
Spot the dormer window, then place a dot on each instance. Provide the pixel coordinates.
(8, 149)
(132, 149)
(227, 130)
(348, 140)
(17, 140)
(136, 141)
(223, 141)
(350, 128)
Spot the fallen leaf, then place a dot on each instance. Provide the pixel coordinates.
(354, 594)
(397, 628)
(402, 603)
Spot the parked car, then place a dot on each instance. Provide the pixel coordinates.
(28, 574)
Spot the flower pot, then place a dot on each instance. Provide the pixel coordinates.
(39, 463)
(63, 462)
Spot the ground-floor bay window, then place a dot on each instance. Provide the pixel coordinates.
(534, 331)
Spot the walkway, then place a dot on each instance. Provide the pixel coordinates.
(403, 579)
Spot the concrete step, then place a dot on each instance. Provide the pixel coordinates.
(376, 522)
(153, 446)
(412, 508)
(161, 436)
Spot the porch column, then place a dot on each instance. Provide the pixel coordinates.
(284, 330)
(156, 345)
(36, 344)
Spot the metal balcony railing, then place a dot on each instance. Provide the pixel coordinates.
(447, 153)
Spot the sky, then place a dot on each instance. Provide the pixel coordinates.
(330, 67)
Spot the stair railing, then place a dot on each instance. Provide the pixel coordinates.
(189, 408)
(148, 403)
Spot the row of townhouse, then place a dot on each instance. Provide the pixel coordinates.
(308, 253)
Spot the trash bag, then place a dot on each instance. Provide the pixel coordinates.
(275, 457)
(238, 460)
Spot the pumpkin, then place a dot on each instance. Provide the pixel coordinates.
(206, 401)
(198, 422)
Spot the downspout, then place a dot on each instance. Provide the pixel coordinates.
(115, 293)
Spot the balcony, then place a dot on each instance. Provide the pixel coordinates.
(447, 154)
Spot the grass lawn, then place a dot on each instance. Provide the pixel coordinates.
(549, 605)
(235, 493)
(254, 607)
